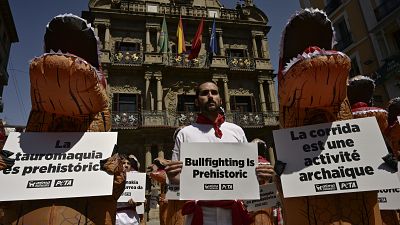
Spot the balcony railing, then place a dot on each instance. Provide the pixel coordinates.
(332, 6)
(386, 8)
(183, 61)
(127, 58)
(135, 120)
(241, 63)
(344, 42)
(125, 120)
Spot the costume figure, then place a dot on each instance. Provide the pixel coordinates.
(68, 93)
(312, 89)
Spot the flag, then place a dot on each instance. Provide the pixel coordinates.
(213, 41)
(163, 40)
(181, 48)
(196, 43)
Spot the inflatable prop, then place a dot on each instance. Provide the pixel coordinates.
(312, 89)
(68, 93)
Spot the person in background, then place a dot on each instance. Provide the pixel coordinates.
(126, 211)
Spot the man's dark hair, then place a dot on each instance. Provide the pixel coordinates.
(198, 87)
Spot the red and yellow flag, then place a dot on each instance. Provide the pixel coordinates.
(181, 47)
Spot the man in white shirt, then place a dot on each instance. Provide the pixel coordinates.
(210, 126)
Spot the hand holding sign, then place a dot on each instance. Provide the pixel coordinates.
(173, 171)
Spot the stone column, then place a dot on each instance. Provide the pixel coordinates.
(160, 151)
(107, 38)
(226, 96)
(255, 52)
(96, 29)
(159, 93)
(148, 158)
(147, 92)
(148, 45)
(262, 96)
(272, 96)
(264, 45)
(221, 44)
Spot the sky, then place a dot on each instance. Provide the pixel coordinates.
(31, 18)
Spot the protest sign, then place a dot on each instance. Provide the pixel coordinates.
(218, 171)
(389, 199)
(57, 165)
(330, 158)
(135, 187)
(267, 199)
(172, 191)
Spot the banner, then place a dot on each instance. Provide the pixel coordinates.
(218, 171)
(267, 199)
(57, 165)
(330, 158)
(389, 199)
(172, 191)
(135, 187)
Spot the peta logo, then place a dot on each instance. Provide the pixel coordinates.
(64, 183)
(211, 187)
(226, 186)
(126, 194)
(325, 187)
(382, 200)
(348, 185)
(38, 184)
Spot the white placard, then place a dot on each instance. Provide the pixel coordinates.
(172, 191)
(268, 198)
(135, 187)
(218, 171)
(389, 199)
(57, 165)
(140, 209)
(330, 158)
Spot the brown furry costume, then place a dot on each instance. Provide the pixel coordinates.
(312, 90)
(68, 94)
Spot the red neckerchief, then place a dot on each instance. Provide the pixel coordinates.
(240, 216)
(201, 119)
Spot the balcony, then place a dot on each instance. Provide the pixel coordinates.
(386, 8)
(344, 42)
(182, 61)
(159, 119)
(241, 63)
(129, 58)
(332, 6)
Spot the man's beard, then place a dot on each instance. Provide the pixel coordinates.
(206, 107)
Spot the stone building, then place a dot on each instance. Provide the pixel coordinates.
(368, 31)
(153, 93)
(8, 35)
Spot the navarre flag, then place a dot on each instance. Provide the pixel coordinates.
(163, 40)
(197, 40)
(213, 41)
(181, 48)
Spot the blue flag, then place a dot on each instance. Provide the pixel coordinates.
(213, 40)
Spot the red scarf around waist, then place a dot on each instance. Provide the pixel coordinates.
(240, 216)
(201, 119)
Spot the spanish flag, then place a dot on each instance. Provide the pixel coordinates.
(181, 48)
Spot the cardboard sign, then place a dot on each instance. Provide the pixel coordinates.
(267, 199)
(330, 158)
(172, 191)
(218, 171)
(135, 187)
(389, 199)
(57, 165)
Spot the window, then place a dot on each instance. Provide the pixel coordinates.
(343, 35)
(355, 69)
(243, 103)
(126, 102)
(236, 52)
(186, 103)
(127, 46)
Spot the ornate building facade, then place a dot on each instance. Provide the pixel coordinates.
(153, 93)
(368, 31)
(8, 35)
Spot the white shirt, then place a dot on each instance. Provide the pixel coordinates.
(205, 133)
